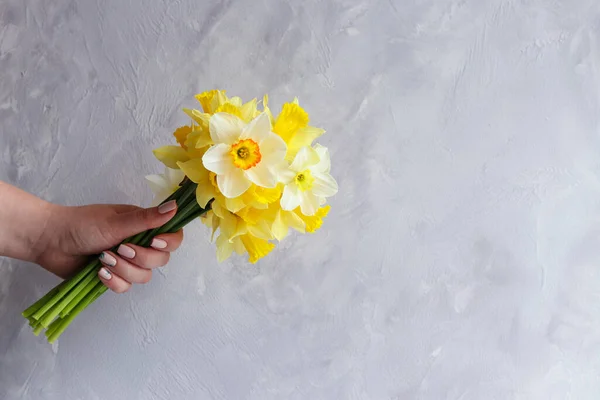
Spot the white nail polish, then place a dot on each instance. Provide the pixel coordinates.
(167, 207)
(126, 251)
(104, 273)
(158, 244)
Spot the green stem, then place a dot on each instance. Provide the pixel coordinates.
(188, 220)
(64, 302)
(73, 303)
(98, 289)
(188, 191)
(40, 303)
(53, 326)
(68, 285)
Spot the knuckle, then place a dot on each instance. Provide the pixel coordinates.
(146, 216)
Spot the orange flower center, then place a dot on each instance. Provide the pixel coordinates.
(245, 154)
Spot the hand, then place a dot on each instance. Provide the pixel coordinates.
(72, 234)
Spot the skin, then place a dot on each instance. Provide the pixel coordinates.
(60, 239)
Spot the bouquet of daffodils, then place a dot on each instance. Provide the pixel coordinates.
(248, 175)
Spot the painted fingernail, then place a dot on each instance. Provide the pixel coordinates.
(107, 259)
(158, 244)
(105, 273)
(126, 251)
(167, 207)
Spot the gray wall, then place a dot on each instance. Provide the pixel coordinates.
(461, 257)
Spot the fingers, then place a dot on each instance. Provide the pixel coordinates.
(168, 241)
(130, 223)
(134, 264)
(113, 281)
(124, 269)
(124, 208)
(143, 257)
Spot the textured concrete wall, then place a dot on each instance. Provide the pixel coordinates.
(461, 257)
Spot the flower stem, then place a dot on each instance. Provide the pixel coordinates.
(70, 284)
(58, 308)
(88, 288)
(64, 323)
(41, 302)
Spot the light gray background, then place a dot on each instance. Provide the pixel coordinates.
(461, 257)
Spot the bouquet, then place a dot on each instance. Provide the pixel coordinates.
(248, 175)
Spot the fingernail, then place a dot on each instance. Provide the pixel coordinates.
(158, 244)
(126, 251)
(167, 207)
(105, 273)
(107, 259)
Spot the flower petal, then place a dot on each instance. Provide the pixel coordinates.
(304, 137)
(198, 139)
(233, 184)
(258, 129)
(205, 192)
(193, 169)
(260, 230)
(218, 160)
(157, 183)
(291, 118)
(225, 128)
(248, 110)
(305, 158)
(279, 228)
(234, 205)
(324, 164)
(262, 176)
(324, 185)
(284, 173)
(224, 248)
(291, 197)
(199, 117)
(294, 221)
(174, 176)
(236, 101)
(272, 149)
(170, 155)
(309, 203)
(257, 248)
(313, 223)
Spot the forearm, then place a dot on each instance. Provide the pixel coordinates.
(23, 220)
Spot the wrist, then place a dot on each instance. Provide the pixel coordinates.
(43, 239)
(24, 223)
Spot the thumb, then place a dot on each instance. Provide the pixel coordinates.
(131, 223)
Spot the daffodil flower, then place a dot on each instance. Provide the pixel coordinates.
(243, 153)
(307, 181)
(164, 185)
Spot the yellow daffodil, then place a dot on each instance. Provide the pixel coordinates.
(260, 169)
(243, 153)
(292, 126)
(181, 135)
(283, 221)
(308, 181)
(211, 100)
(257, 248)
(313, 222)
(195, 171)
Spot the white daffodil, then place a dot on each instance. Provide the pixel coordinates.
(164, 185)
(307, 181)
(243, 153)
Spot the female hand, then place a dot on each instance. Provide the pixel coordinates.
(72, 234)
